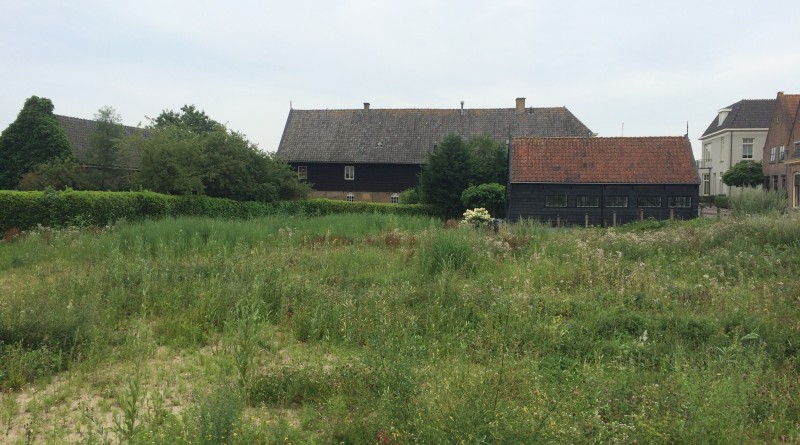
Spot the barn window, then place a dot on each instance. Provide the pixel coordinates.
(680, 201)
(616, 201)
(649, 201)
(395, 198)
(349, 172)
(587, 201)
(302, 172)
(555, 201)
(351, 197)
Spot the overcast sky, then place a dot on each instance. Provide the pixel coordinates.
(652, 65)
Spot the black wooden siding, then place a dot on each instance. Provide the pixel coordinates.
(527, 201)
(368, 177)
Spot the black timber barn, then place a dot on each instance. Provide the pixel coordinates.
(374, 154)
(602, 181)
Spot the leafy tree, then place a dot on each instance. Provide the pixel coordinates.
(33, 138)
(489, 196)
(57, 173)
(189, 118)
(410, 196)
(105, 152)
(446, 174)
(189, 153)
(744, 174)
(489, 160)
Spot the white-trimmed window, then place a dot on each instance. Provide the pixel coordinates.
(747, 148)
(772, 154)
(649, 201)
(395, 198)
(587, 201)
(350, 197)
(349, 172)
(680, 201)
(302, 172)
(616, 201)
(555, 200)
(706, 184)
(783, 152)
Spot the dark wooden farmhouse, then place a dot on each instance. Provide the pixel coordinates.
(374, 154)
(604, 180)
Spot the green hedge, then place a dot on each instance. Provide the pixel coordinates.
(23, 210)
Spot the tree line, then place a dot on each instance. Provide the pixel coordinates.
(181, 152)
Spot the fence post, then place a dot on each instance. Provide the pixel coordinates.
(586, 219)
(641, 214)
(558, 221)
(614, 218)
(671, 214)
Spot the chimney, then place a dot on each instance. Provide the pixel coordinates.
(366, 106)
(520, 105)
(462, 107)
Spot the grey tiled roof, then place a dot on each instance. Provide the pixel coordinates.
(747, 113)
(405, 136)
(79, 133)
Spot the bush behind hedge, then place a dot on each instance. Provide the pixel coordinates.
(50, 208)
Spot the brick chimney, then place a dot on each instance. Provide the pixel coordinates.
(366, 106)
(520, 105)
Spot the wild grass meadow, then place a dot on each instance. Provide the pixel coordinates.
(376, 329)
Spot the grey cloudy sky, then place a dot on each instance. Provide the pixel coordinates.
(652, 65)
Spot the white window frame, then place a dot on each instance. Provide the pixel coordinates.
(349, 173)
(395, 198)
(747, 148)
(706, 184)
(783, 153)
(617, 201)
(652, 205)
(350, 197)
(555, 200)
(772, 154)
(302, 172)
(587, 201)
(680, 202)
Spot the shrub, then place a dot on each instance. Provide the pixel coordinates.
(722, 201)
(753, 201)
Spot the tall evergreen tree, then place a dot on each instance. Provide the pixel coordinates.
(35, 137)
(446, 174)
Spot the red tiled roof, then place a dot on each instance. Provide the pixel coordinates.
(792, 103)
(632, 160)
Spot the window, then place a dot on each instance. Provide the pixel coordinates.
(706, 184)
(797, 189)
(349, 172)
(395, 198)
(680, 201)
(783, 152)
(783, 182)
(722, 149)
(616, 201)
(772, 154)
(766, 183)
(587, 201)
(796, 149)
(747, 148)
(351, 197)
(775, 182)
(555, 201)
(707, 151)
(302, 172)
(649, 201)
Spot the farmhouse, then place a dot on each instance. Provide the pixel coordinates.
(374, 154)
(737, 133)
(602, 180)
(782, 148)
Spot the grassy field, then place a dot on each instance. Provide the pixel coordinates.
(375, 329)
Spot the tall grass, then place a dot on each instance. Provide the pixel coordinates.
(754, 201)
(389, 329)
